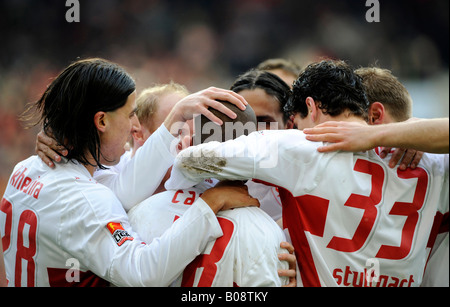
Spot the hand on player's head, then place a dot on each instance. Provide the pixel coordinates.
(203, 102)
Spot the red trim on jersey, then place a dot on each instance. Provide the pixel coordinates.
(445, 223)
(57, 278)
(271, 185)
(301, 214)
(440, 225)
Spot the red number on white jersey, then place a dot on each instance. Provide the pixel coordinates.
(410, 210)
(209, 261)
(26, 242)
(366, 203)
(308, 213)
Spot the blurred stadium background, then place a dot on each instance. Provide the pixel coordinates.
(201, 43)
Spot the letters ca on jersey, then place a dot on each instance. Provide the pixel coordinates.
(119, 234)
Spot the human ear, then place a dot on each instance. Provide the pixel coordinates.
(377, 113)
(313, 109)
(100, 121)
(138, 136)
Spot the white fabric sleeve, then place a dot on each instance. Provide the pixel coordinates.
(233, 160)
(121, 257)
(140, 177)
(159, 263)
(263, 155)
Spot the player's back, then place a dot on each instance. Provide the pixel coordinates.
(351, 217)
(39, 208)
(246, 254)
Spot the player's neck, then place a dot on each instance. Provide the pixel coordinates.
(347, 117)
(90, 168)
(91, 165)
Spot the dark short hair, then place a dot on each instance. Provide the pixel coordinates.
(267, 81)
(70, 102)
(334, 85)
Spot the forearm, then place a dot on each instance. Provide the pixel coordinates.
(158, 263)
(197, 163)
(428, 135)
(257, 156)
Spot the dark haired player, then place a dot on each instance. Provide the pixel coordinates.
(353, 220)
(61, 216)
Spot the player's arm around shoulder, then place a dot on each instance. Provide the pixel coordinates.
(160, 262)
(236, 159)
(132, 263)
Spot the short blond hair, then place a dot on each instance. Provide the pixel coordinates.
(382, 86)
(288, 66)
(147, 102)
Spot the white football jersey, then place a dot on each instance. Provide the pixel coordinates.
(353, 221)
(245, 256)
(62, 228)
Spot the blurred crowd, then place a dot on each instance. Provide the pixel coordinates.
(203, 43)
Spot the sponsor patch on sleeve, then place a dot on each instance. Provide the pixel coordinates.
(119, 234)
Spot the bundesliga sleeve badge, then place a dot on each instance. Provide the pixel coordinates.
(119, 234)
